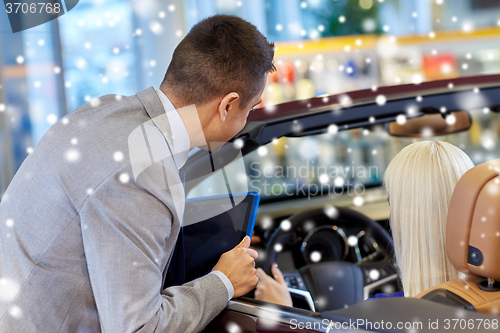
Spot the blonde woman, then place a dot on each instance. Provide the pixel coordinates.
(420, 181)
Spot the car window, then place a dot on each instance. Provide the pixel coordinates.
(334, 163)
(215, 184)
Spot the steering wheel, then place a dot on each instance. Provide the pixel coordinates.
(335, 284)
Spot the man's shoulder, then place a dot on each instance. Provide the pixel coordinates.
(89, 143)
(117, 107)
(109, 102)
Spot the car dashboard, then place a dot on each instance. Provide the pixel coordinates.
(318, 241)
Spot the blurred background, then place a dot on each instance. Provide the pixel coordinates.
(322, 47)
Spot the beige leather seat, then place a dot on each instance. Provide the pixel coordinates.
(473, 239)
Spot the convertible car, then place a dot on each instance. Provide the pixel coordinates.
(323, 217)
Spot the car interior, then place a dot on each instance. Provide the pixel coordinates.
(335, 250)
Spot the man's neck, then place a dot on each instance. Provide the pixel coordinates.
(190, 118)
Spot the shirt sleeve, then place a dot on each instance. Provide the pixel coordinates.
(227, 283)
(127, 234)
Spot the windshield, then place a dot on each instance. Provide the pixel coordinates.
(346, 162)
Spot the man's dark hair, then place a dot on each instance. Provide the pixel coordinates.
(220, 54)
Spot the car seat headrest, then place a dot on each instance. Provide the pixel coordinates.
(473, 225)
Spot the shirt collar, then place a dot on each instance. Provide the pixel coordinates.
(180, 136)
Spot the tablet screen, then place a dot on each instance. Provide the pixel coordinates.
(205, 241)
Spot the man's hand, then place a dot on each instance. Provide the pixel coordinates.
(273, 290)
(239, 267)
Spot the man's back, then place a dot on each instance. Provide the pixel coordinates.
(42, 252)
(82, 246)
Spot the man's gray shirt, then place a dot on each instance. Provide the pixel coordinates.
(84, 244)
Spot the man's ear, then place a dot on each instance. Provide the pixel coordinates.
(229, 102)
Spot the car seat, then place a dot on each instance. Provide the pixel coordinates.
(473, 242)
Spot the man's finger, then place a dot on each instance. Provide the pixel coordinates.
(245, 242)
(252, 253)
(278, 276)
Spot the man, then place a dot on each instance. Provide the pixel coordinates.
(86, 226)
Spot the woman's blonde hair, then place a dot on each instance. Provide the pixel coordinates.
(420, 181)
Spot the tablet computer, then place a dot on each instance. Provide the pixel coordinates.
(232, 217)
